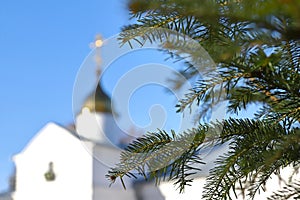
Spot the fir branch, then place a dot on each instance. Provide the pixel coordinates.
(254, 152)
(257, 53)
(157, 155)
(291, 190)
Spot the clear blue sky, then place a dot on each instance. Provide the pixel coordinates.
(43, 44)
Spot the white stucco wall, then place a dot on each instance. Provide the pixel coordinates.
(209, 156)
(106, 193)
(72, 166)
(195, 191)
(105, 157)
(148, 191)
(100, 127)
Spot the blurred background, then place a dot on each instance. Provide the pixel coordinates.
(43, 44)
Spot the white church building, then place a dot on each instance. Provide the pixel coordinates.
(61, 163)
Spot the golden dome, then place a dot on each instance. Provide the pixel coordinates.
(98, 101)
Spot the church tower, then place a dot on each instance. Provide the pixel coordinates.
(96, 121)
(59, 163)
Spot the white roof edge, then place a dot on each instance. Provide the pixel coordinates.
(41, 130)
